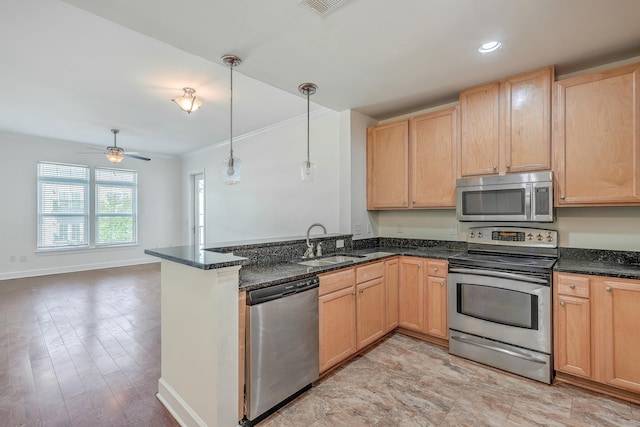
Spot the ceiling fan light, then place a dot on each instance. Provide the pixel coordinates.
(115, 154)
(188, 102)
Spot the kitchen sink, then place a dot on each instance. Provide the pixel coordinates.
(335, 259)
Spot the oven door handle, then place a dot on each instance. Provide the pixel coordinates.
(500, 274)
(501, 350)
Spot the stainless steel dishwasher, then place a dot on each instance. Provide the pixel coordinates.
(281, 345)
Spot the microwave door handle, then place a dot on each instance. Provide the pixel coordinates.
(500, 274)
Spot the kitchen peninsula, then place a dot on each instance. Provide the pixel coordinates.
(199, 338)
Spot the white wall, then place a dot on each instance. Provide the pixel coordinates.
(363, 222)
(158, 208)
(271, 200)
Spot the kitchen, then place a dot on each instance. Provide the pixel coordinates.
(337, 199)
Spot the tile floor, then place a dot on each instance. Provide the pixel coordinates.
(83, 349)
(406, 382)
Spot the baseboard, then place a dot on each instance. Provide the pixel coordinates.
(75, 268)
(181, 411)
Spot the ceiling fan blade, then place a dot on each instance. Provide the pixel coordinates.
(133, 156)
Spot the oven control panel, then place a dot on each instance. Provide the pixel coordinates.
(513, 236)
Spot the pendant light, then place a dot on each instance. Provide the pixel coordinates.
(307, 168)
(232, 166)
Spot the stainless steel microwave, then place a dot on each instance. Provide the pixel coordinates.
(525, 197)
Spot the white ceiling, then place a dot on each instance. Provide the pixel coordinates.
(73, 73)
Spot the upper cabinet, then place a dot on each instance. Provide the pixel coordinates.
(597, 138)
(387, 166)
(411, 163)
(505, 126)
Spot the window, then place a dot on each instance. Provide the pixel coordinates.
(116, 206)
(63, 206)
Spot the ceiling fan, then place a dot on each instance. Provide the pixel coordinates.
(117, 154)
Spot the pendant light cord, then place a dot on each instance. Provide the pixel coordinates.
(231, 113)
(308, 156)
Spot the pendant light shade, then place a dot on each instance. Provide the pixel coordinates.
(188, 102)
(231, 166)
(307, 167)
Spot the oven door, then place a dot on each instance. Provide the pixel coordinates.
(509, 307)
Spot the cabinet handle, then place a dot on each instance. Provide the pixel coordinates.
(495, 167)
(572, 286)
(562, 197)
(361, 291)
(353, 294)
(435, 268)
(414, 202)
(441, 283)
(419, 265)
(608, 289)
(508, 166)
(561, 303)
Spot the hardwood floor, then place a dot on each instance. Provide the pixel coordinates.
(82, 349)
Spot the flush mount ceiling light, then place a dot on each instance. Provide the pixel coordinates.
(322, 7)
(114, 153)
(188, 101)
(489, 47)
(307, 168)
(232, 166)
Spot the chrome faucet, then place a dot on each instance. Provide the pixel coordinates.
(309, 252)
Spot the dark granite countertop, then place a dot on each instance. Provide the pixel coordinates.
(258, 276)
(598, 268)
(193, 257)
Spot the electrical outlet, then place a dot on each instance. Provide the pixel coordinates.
(454, 230)
(368, 228)
(357, 228)
(23, 258)
(339, 244)
(400, 228)
(12, 258)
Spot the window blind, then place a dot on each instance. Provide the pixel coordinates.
(116, 206)
(63, 205)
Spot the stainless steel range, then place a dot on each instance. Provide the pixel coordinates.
(499, 299)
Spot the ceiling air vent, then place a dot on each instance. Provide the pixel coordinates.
(322, 7)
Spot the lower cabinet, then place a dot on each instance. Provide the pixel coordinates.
(422, 296)
(596, 330)
(351, 311)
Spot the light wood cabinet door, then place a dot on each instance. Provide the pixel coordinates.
(526, 110)
(411, 294)
(388, 166)
(479, 130)
(436, 310)
(337, 323)
(573, 335)
(391, 284)
(597, 138)
(370, 303)
(432, 157)
(617, 335)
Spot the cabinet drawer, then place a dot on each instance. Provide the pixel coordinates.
(437, 268)
(337, 280)
(369, 272)
(577, 286)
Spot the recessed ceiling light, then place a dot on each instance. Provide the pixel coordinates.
(489, 47)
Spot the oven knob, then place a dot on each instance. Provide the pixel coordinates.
(479, 234)
(530, 236)
(549, 238)
(539, 237)
(472, 234)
